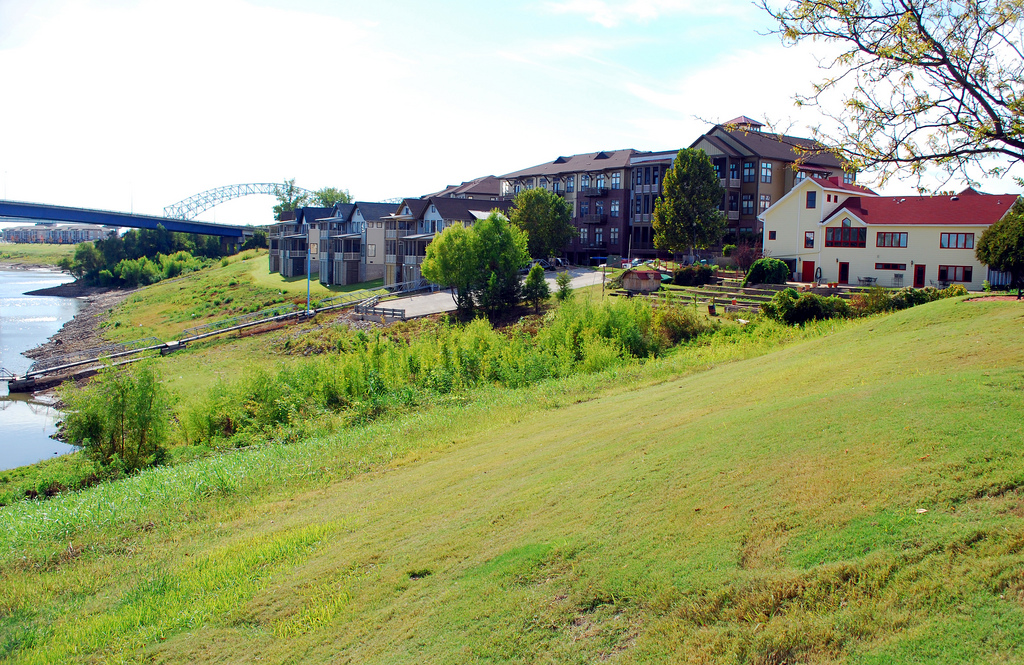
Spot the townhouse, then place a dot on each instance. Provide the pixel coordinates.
(831, 231)
(59, 234)
(415, 224)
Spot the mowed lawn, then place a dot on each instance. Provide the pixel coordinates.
(852, 498)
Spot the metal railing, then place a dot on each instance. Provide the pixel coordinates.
(108, 350)
(238, 320)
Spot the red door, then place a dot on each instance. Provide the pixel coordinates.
(808, 275)
(919, 272)
(844, 273)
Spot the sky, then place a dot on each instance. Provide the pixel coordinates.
(133, 105)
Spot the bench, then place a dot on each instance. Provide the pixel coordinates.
(866, 281)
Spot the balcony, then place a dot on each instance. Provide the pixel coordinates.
(413, 260)
(734, 215)
(584, 244)
(289, 254)
(594, 191)
(350, 256)
(723, 183)
(594, 218)
(390, 258)
(734, 183)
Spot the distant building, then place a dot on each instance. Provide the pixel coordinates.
(58, 234)
(486, 188)
(756, 169)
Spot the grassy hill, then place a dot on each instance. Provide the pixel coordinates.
(855, 497)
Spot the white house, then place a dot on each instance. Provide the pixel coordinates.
(830, 231)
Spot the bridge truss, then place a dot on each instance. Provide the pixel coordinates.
(197, 204)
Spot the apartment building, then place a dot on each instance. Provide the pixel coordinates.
(646, 173)
(58, 234)
(415, 224)
(346, 242)
(596, 185)
(756, 169)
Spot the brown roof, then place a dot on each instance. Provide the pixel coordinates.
(744, 120)
(751, 143)
(591, 161)
(487, 185)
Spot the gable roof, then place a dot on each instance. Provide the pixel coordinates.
(753, 143)
(487, 185)
(309, 214)
(374, 211)
(976, 209)
(591, 161)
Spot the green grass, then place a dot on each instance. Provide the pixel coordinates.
(761, 510)
(34, 254)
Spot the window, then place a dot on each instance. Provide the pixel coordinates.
(734, 171)
(616, 180)
(848, 178)
(891, 240)
(647, 204)
(615, 209)
(638, 177)
(654, 180)
(771, 235)
(846, 236)
(808, 239)
(371, 250)
(639, 205)
(647, 175)
(812, 199)
(543, 183)
(890, 266)
(584, 181)
(570, 183)
(584, 207)
(748, 171)
(598, 235)
(766, 201)
(718, 170)
(599, 207)
(734, 201)
(529, 183)
(955, 273)
(613, 235)
(800, 176)
(600, 181)
(583, 234)
(766, 171)
(556, 186)
(956, 241)
(748, 204)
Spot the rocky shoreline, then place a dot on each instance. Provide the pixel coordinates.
(81, 332)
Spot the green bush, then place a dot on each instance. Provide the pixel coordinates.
(694, 275)
(727, 250)
(564, 283)
(767, 271)
(120, 418)
(794, 308)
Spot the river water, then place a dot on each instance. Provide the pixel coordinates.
(26, 322)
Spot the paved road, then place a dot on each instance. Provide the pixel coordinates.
(441, 301)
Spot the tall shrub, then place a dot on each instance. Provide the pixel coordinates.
(767, 271)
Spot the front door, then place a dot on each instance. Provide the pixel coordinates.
(808, 275)
(919, 272)
(844, 273)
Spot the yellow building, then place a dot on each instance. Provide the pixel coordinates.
(831, 231)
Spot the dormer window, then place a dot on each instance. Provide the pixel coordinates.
(433, 209)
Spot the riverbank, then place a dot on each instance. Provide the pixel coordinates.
(82, 331)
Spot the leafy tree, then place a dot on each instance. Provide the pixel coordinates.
(329, 196)
(257, 240)
(564, 283)
(745, 254)
(686, 215)
(535, 288)
(451, 263)
(545, 217)
(500, 253)
(88, 260)
(480, 263)
(767, 271)
(289, 197)
(1001, 246)
(120, 418)
(920, 81)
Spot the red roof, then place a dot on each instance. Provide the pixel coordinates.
(836, 183)
(644, 274)
(979, 209)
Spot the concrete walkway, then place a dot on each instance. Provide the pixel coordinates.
(442, 301)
